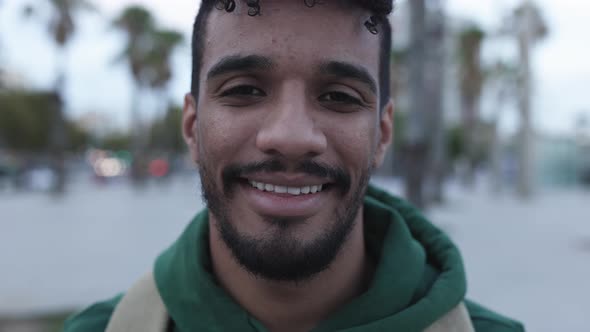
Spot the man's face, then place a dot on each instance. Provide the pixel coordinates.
(286, 131)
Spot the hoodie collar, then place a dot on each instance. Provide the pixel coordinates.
(419, 276)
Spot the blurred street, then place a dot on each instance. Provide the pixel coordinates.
(526, 260)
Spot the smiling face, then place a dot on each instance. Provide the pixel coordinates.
(286, 131)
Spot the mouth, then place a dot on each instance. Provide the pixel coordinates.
(290, 190)
(276, 198)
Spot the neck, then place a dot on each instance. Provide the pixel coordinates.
(288, 306)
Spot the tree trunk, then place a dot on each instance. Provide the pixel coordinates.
(137, 139)
(496, 179)
(59, 135)
(435, 101)
(525, 169)
(416, 133)
(470, 112)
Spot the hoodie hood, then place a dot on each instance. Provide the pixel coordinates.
(419, 276)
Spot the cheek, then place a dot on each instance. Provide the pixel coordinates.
(222, 134)
(354, 142)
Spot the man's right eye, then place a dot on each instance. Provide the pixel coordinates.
(243, 90)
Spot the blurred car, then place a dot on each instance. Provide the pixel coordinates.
(37, 178)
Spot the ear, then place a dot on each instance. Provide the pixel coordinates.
(386, 134)
(189, 126)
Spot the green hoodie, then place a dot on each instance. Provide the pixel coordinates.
(419, 278)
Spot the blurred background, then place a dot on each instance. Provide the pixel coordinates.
(492, 141)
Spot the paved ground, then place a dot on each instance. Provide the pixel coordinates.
(528, 260)
(26, 325)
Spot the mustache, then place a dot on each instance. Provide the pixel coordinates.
(336, 175)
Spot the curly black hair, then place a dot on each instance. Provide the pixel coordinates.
(377, 23)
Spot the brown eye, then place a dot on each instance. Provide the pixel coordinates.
(339, 97)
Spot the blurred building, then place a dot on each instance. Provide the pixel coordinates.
(557, 161)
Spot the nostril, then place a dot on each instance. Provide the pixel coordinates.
(291, 144)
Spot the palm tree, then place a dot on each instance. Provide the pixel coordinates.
(471, 82)
(528, 28)
(138, 24)
(159, 60)
(149, 54)
(435, 57)
(61, 26)
(525, 25)
(502, 80)
(165, 42)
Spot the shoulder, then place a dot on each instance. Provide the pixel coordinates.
(485, 320)
(94, 318)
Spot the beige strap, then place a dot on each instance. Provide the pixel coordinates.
(456, 320)
(140, 310)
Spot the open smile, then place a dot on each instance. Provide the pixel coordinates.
(291, 190)
(286, 198)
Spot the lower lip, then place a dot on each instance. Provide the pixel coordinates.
(284, 205)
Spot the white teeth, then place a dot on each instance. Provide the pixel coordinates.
(295, 191)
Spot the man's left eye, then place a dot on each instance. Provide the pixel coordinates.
(243, 90)
(339, 97)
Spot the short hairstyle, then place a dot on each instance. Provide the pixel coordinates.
(378, 23)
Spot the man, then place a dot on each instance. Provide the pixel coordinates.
(288, 115)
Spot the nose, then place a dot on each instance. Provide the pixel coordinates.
(289, 129)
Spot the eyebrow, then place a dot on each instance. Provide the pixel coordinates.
(350, 71)
(235, 63)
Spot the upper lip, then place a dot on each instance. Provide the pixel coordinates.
(288, 180)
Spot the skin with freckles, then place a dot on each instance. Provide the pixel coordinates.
(288, 98)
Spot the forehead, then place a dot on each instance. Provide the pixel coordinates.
(293, 35)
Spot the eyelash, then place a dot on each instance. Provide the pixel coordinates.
(348, 99)
(242, 90)
(246, 91)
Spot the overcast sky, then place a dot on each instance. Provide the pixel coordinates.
(96, 83)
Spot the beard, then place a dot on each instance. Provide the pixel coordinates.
(278, 254)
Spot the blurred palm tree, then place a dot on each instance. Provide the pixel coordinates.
(138, 24)
(159, 59)
(471, 82)
(423, 130)
(61, 26)
(435, 79)
(529, 27)
(416, 134)
(148, 53)
(159, 62)
(503, 81)
(526, 25)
